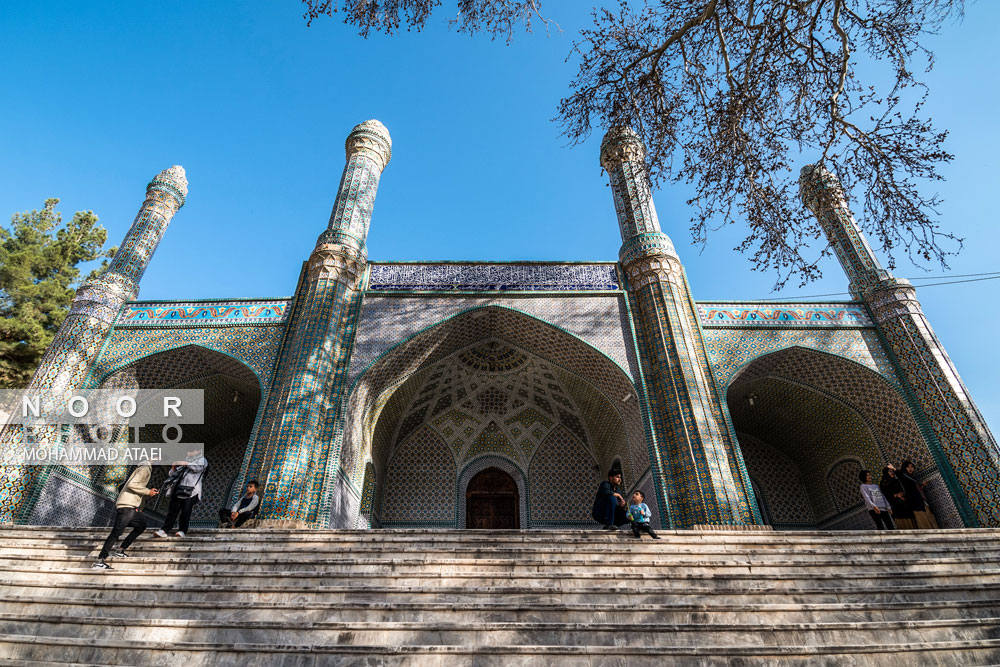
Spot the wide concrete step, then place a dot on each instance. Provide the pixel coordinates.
(126, 572)
(499, 539)
(318, 564)
(451, 597)
(18, 648)
(598, 552)
(489, 610)
(472, 632)
(607, 592)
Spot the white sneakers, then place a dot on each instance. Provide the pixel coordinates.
(162, 533)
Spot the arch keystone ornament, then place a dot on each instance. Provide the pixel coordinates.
(964, 449)
(696, 461)
(67, 361)
(303, 414)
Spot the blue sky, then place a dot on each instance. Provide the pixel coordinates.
(98, 97)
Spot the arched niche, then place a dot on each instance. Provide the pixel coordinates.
(808, 420)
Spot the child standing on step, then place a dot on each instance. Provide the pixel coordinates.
(639, 515)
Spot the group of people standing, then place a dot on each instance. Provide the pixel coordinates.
(184, 488)
(898, 500)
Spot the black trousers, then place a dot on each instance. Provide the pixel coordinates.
(644, 527)
(882, 520)
(125, 517)
(241, 519)
(181, 507)
(610, 513)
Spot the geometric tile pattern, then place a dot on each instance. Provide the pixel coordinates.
(492, 277)
(703, 479)
(256, 346)
(420, 482)
(756, 315)
(809, 428)
(729, 350)
(495, 399)
(172, 313)
(695, 449)
(366, 512)
(845, 485)
(299, 445)
(599, 319)
(961, 433)
(818, 410)
(776, 478)
(969, 459)
(418, 363)
(79, 340)
(562, 477)
(877, 403)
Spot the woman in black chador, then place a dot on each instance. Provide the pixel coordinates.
(915, 498)
(894, 492)
(609, 505)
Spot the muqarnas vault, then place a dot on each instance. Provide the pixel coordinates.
(498, 395)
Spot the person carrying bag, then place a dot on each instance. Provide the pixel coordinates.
(183, 485)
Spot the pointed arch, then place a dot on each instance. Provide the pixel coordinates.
(817, 409)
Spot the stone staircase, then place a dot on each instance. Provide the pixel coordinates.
(447, 597)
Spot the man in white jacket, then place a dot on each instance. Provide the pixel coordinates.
(128, 514)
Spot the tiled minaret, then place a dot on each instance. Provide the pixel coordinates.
(67, 361)
(964, 448)
(298, 449)
(694, 449)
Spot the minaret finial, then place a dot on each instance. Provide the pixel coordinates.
(172, 180)
(370, 138)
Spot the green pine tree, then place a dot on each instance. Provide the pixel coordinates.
(39, 274)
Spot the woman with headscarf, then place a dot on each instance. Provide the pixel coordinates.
(893, 490)
(915, 497)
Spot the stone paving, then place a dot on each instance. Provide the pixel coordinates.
(449, 597)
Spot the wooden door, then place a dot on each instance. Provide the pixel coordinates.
(492, 501)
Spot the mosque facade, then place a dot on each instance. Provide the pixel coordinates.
(498, 395)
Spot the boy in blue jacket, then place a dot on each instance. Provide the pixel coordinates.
(639, 515)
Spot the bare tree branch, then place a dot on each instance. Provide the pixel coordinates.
(728, 94)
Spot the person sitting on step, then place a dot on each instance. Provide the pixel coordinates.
(609, 504)
(639, 515)
(243, 510)
(128, 514)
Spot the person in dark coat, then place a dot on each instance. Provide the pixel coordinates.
(609, 505)
(915, 498)
(894, 492)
